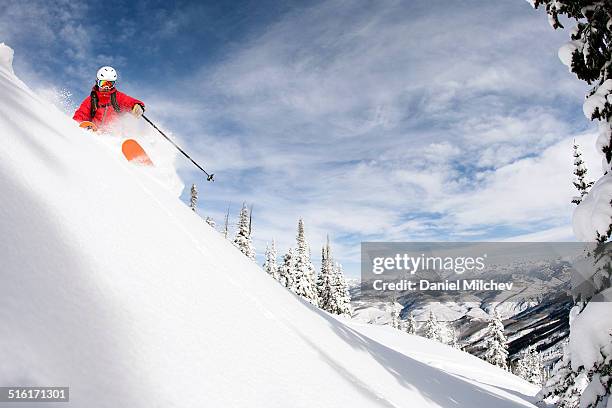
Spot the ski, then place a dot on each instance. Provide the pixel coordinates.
(88, 125)
(134, 153)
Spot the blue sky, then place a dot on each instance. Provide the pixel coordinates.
(413, 120)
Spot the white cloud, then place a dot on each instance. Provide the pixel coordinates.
(556, 234)
(373, 123)
(527, 191)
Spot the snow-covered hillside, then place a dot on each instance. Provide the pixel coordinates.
(113, 287)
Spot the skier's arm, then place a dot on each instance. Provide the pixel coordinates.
(84, 111)
(126, 102)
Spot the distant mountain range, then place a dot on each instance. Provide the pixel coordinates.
(535, 313)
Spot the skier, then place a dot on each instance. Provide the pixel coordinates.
(105, 102)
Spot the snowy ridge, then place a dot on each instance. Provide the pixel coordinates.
(113, 287)
(6, 58)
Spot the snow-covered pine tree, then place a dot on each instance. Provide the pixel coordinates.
(243, 236)
(411, 326)
(251, 220)
(588, 56)
(270, 265)
(286, 270)
(324, 279)
(342, 296)
(565, 385)
(193, 202)
(304, 271)
(395, 314)
(453, 341)
(496, 352)
(445, 334)
(211, 222)
(529, 366)
(431, 328)
(332, 287)
(226, 223)
(580, 172)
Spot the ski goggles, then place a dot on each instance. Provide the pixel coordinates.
(104, 84)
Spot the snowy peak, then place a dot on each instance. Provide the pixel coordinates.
(6, 57)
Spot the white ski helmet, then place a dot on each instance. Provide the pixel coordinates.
(106, 74)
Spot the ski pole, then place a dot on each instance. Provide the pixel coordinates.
(209, 177)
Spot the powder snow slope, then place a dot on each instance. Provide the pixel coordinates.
(113, 287)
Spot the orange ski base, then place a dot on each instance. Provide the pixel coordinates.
(88, 125)
(134, 153)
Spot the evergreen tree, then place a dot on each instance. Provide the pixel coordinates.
(210, 222)
(453, 341)
(226, 223)
(286, 270)
(342, 296)
(243, 236)
(304, 271)
(496, 344)
(251, 220)
(332, 287)
(580, 172)
(270, 265)
(529, 367)
(411, 325)
(395, 314)
(325, 278)
(431, 328)
(193, 202)
(588, 56)
(444, 332)
(565, 385)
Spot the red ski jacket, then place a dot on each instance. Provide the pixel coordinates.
(109, 105)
